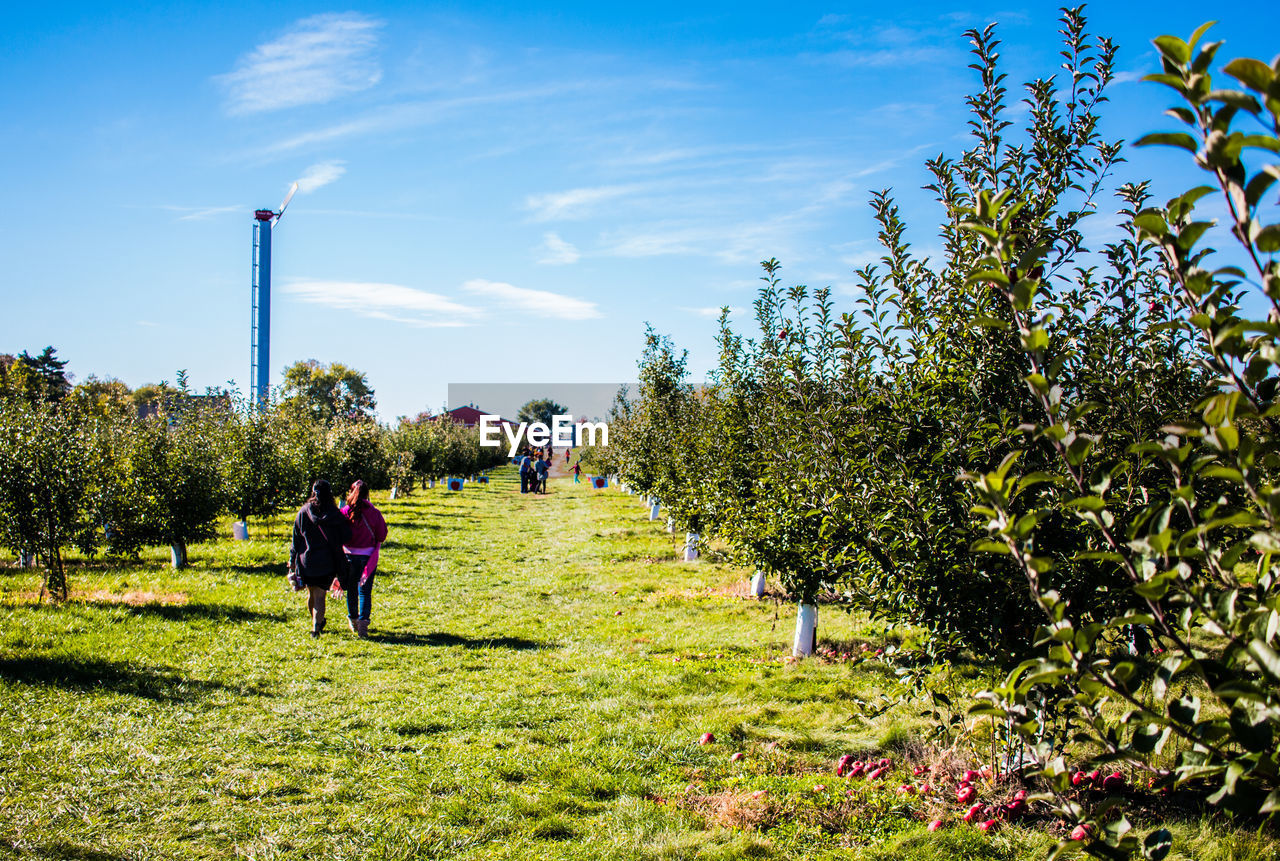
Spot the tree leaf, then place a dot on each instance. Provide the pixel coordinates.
(1157, 844)
(1268, 239)
(1173, 48)
(1178, 139)
(1254, 74)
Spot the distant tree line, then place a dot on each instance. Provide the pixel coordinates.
(98, 467)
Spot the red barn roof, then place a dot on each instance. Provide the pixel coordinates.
(468, 416)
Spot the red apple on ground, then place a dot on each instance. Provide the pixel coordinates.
(737, 757)
(1113, 782)
(966, 793)
(989, 825)
(973, 812)
(935, 825)
(1082, 832)
(707, 738)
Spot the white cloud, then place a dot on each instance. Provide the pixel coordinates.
(734, 244)
(574, 203)
(397, 117)
(557, 252)
(541, 303)
(319, 59)
(1129, 77)
(320, 175)
(711, 311)
(385, 302)
(202, 213)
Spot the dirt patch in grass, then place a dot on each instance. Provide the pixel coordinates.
(131, 598)
(744, 811)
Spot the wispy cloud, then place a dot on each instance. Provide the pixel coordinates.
(734, 243)
(385, 302)
(1131, 76)
(317, 60)
(409, 115)
(880, 45)
(574, 203)
(712, 311)
(201, 213)
(557, 252)
(541, 303)
(320, 175)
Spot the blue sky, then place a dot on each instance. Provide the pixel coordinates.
(490, 192)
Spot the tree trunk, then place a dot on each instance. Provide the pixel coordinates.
(55, 577)
(806, 639)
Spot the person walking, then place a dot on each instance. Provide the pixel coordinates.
(526, 467)
(319, 531)
(542, 466)
(577, 471)
(368, 531)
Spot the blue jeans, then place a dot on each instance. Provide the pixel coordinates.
(359, 595)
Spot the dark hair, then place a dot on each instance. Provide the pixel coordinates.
(321, 494)
(357, 497)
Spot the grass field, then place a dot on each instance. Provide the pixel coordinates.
(538, 677)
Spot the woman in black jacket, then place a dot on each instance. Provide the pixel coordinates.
(319, 531)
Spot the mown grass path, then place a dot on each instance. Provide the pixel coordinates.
(538, 676)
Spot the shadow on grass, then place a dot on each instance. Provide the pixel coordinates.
(417, 526)
(271, 569)
(74, 674)
(439, 638)
(211, 612)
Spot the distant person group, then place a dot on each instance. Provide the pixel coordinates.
(337, 544)
(533, 471)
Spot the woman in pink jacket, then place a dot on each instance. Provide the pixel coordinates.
(368, 531)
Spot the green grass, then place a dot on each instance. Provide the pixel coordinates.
(538, 676)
